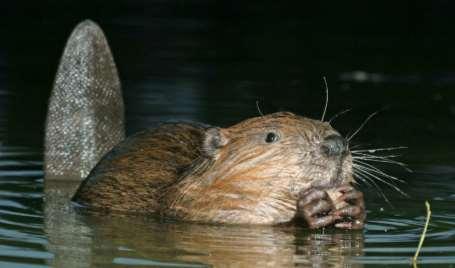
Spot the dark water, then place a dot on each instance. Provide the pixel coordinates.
(211, 62)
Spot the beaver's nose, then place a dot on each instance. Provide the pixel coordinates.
(334, 145)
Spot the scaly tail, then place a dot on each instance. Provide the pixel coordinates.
(85, 117)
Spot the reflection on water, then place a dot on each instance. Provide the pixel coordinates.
(77, 239)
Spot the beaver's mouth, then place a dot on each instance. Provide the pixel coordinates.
(336, 177)
(334, 181)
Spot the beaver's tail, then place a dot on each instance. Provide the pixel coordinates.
(85, 117)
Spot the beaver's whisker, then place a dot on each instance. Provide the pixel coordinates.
(374, 169)
(352, 146)
(366, 178)
(404, 166)
(381, 193)
(379, 157)
(258, 108)
(372, 157)
(361, 145)
(357, 176)
(381, 160)
(386, 156)
(362, 125)
(326, 98)
(366, 172)
(374, 150)
(365, 163)
(390, 183)
(337, 115)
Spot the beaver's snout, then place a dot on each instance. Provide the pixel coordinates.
(334, 145)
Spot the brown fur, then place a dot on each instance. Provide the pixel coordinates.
(229, 175)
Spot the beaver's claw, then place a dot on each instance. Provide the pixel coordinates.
(318, 210)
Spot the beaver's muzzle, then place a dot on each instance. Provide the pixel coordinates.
(334, 146)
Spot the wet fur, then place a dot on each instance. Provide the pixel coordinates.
(133, 176)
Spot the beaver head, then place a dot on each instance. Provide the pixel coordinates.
(253, 171)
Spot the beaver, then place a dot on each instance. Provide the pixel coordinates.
(271, 169)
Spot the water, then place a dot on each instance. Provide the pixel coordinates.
(211, 63)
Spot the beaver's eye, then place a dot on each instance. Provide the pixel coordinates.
(271, 137)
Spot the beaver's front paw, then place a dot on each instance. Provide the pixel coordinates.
(342, 207)
(349, 207)
(316, 207)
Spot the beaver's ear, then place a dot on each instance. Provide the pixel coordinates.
(214, 139)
